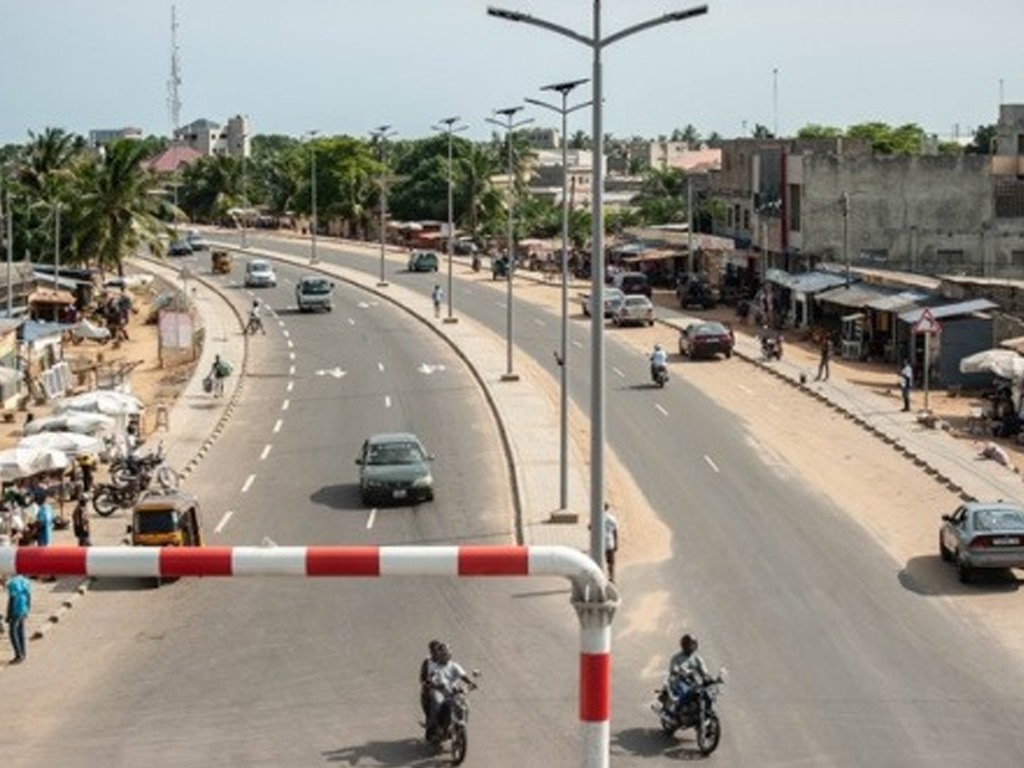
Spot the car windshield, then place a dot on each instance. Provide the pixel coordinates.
(316, 286)
(709, 329)
(999, 520)
(259, 267)
(156, 521)
(636, 301)
(394, 453)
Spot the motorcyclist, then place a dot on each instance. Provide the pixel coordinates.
(255, 321)
(686, 670)
(425, 676)
(659, 360)
(443, 674)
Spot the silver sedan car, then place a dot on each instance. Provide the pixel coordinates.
(983, 535)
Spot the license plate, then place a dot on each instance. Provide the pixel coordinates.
(1006, 541)
(401, 493)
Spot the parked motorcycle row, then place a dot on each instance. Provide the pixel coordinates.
(130, 477)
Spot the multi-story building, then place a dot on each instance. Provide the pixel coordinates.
(799, 202)
(101, 136)
(210, 138)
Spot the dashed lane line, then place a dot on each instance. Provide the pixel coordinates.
(371, 518)
(266, 452)
(223, 521)
(661, 409)
(277, 425)
(712, 464)
(248, 483)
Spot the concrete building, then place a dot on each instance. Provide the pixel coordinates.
(795, 203)
(678, 154)
(99, 137)
(210, 138)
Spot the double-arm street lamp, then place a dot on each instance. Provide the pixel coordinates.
(509, 124)
(311, 135)
(448, 126)
(563, 359)
(597, 44)
(381, 134)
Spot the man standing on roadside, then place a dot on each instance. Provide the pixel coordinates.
(19, 603)
(906, 379)
(823, 360)
(437, 296)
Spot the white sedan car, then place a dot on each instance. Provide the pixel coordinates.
(259, 274)
(635, 309)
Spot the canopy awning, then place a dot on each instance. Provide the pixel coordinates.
(855, 296)
(651, 255)
(949, 310)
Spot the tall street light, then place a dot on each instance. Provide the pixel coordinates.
(597, 43)
(245, 196)
(448, 126)
(311, 135)
(563, 359)
(509, 125)
(381, 135)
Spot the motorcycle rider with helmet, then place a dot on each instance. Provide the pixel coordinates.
(442, 676)
(659, 361)
(686, 670)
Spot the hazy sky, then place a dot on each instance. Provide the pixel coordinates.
(347, 66)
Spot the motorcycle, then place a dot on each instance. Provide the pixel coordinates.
(697, 711)
(254, 326)
(659, 374)
(125, 470)
(771, 347)
(454, 723)
(107, 498)
(476, 263)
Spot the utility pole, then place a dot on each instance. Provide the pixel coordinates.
(845, 203)
(381, 135)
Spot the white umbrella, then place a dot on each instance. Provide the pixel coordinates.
(66, 442)
(1004, 363)
(16, 463)
(102, 401)
(73, 421)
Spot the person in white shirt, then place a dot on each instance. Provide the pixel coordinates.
(611, 540)
(659, 359)
(443, 676)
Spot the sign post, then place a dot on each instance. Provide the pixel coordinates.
(929, 326)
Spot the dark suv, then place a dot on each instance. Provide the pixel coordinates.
(632, 283)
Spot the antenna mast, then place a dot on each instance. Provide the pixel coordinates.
(173, 99)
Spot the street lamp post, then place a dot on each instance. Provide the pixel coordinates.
(245, 196)
(509, 125)
(9, 221)
(56, 245)
(563, 359)
(381, 135)
(448, 126)
(597, 43)
(312, 184)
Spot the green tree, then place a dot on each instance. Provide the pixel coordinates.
(885, 140)
(662, 198)
(689, 134)
(984, 140)
(211, 187)
(814, 131)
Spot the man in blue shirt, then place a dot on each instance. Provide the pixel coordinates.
(19, 602)
(44, 517)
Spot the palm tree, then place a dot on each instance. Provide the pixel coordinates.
(212, 186)
(476, 169)
(44, 174)
(121, 207)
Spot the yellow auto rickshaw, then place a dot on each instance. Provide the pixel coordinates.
(167, 519)
(221, 262)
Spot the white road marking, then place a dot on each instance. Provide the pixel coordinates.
(538, 321)
(277, 425)
(351, 321)
(248, 483)
(291, 355)
(336, 372)
(429, 369)
(618, 373)
(291, 385)
(380, 367)
(577, 344)
(291, 344)
(712, 463)
(371, 518)
(280, 322)
(285, 404)
(746, 390)
(661, 409)
(387, 401)
(223, 521)
(291, 371)
(285, 333)
(266, 452)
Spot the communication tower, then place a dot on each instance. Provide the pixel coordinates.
(173, 98)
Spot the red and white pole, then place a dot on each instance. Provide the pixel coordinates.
(594, 598)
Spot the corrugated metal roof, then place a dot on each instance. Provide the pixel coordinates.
(903, 300)
(857, 295)
(949, 310)
(815, 282)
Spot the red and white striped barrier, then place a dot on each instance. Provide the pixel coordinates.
(593, 598)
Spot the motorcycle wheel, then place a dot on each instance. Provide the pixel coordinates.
(708, 734)
(104, 503)
(167, 477)
(460, 741)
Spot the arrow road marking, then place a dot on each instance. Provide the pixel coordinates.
(336, 372)
(429, 369)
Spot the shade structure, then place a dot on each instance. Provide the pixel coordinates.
(79, 422)
(1005, 363)
(103, 401)
(17, 463)
(68, 443)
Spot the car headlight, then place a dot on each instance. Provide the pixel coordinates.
(371, 483)
(423, 482)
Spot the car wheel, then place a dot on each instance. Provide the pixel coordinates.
(944, 552)
(963, 572)
(728, 354)
(364, 497)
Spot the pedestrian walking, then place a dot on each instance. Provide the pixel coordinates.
(437, 296)
(44, 520)
(219, 371)
(906, 380)
(611, 540)
(826, 351)
(80, 521)
(19, 603)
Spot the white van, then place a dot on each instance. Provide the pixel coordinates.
(314, 292)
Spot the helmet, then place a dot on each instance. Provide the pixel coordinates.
(688, 643)
(657, 347)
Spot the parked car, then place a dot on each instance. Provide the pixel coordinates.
(631, 283)
(314, 292)
(634, 310)
(612, 299)
(423, 261)
(695, 291)
(983, 535)
(706, 339)
(394, 466)
(180, 248)
(197, 241)
(259, 274)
